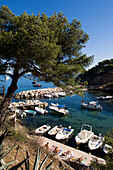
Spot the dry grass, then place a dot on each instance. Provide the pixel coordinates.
(17, 135)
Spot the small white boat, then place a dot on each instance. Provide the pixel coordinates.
(41, 110)
(58, 105)
(61, 94)
(59, 111)
(54, 104)
(30, 112)
(84, 134)
(91, 105)
(95, 142)
(107, 149)
(64, 133)
(55, 130)
(43, 129)
(55, 95)
(105, 97)
(49, 96)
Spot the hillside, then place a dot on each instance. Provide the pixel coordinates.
(99, 77)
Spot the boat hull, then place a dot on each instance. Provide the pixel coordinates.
(107, 149)
(41, 110)
(43, 129)
(54, 130)
(90, 107)
(30, 112)
(59, 111)
(64, 134)
(81, 139)
(95, 142)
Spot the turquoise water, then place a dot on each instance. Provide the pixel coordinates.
(101, 121)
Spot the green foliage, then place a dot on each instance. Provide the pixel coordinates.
(51, 45)
(97, 166)
(4, 165)
(104, 67)
(109, 137)
(37, 161)
(18, 136)
(8, 149)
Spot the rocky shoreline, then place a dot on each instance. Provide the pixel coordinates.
(104, 88)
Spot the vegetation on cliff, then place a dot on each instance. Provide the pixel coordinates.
(101, 74)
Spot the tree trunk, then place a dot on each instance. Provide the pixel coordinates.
(7, 99)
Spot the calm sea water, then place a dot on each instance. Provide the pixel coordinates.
(101, 121)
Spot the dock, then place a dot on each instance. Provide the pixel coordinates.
(75, 152)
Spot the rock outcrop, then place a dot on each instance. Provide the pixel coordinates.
(99, 77)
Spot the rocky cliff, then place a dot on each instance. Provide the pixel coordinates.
(99, 77)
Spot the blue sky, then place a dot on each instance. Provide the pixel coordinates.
(96, 17)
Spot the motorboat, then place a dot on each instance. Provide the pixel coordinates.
(105, 97)
(54, 95)
(95, 142)
(49, 96)
(54, 104)
(30, 112)
(58, 105)
(41, 110)
(55, 130)
(43, 129)
(61, 94)
(37, 85)
(91, 105)
(107, 149)
(59, 111)
(84, 135)
(64, 133)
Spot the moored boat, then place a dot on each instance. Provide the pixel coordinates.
(84, 134)
(43, 129)
(95, 142)
(55, 130)
(54, 104)
(91, 105)
(59, 111)
(105, 97)
(41, 110)
(107, 149)
(65, 133)
(49, 96)
(61, 94)
(58, 105)
(30, 112)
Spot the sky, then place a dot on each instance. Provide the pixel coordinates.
(96, 18)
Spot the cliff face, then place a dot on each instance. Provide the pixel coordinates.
(100, 79)
(100, 76)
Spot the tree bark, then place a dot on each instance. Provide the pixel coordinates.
(8, 97)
